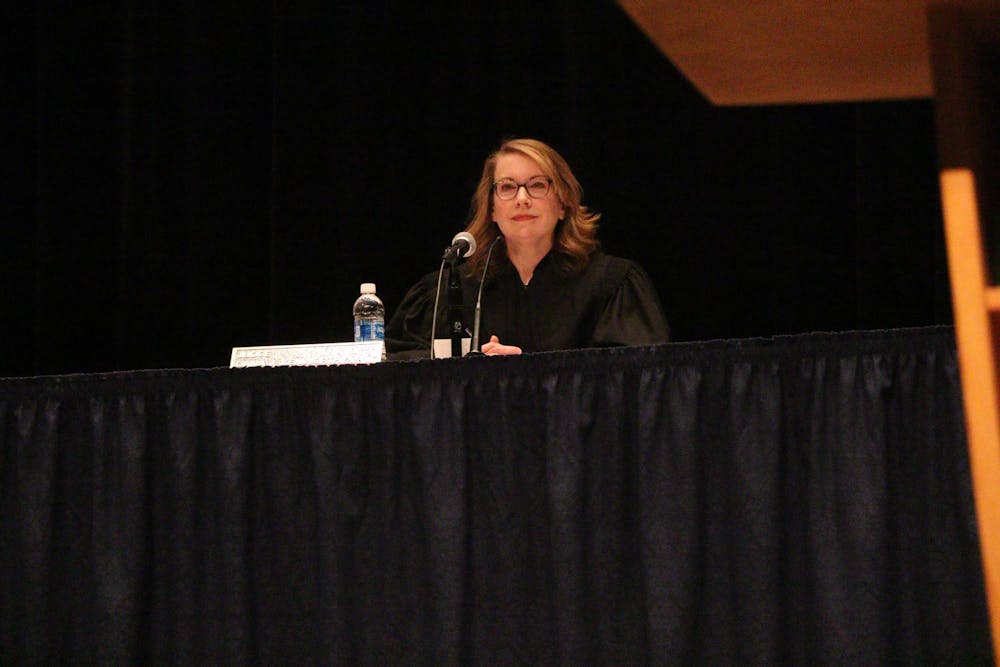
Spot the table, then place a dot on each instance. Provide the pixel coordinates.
(798, 500)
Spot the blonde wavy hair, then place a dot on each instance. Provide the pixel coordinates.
(575, 234)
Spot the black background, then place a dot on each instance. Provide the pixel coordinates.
(184, 178)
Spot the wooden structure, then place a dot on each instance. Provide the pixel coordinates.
(811, 51)
(792, 51)
(965, 53)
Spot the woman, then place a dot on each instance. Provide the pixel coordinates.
(549, 287)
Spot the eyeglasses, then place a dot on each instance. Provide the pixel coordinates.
(536, 187)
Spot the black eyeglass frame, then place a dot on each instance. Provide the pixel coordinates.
(548, 187)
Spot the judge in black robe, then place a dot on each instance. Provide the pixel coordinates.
(611, 302)
(548, 287)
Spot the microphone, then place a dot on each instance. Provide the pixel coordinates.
(474, 344)
(463, 245)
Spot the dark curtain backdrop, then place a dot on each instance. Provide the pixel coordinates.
(796, 501)
(184, 177)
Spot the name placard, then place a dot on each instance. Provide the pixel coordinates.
(313, 354)
(442, 347)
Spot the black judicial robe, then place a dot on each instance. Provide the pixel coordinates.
(611, 302)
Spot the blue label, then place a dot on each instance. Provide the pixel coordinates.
(369, 329)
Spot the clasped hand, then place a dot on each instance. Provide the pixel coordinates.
(494, 346)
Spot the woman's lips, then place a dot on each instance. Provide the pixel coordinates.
(523, 217)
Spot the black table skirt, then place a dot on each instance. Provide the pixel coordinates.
(797, 500)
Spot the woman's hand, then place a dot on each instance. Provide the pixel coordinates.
(495, 347)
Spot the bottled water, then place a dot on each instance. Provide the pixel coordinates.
(369, 315)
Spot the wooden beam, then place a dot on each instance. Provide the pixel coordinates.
(978, 365)
(740, 52)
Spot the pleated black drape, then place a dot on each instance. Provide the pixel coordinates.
(799, 500)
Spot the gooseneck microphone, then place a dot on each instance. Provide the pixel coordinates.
(474, 345)
(463, 245)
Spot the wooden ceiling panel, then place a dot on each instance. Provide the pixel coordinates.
(752, 52)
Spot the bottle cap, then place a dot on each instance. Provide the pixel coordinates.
(367, 288)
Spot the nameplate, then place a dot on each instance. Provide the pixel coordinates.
(442, 347)
(314, 354)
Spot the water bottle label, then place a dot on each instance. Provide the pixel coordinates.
(369, 330)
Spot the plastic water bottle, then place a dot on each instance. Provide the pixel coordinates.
(369, 315)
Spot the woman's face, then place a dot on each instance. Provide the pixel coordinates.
(525, 219)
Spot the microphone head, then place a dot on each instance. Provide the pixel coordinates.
(469, 239)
